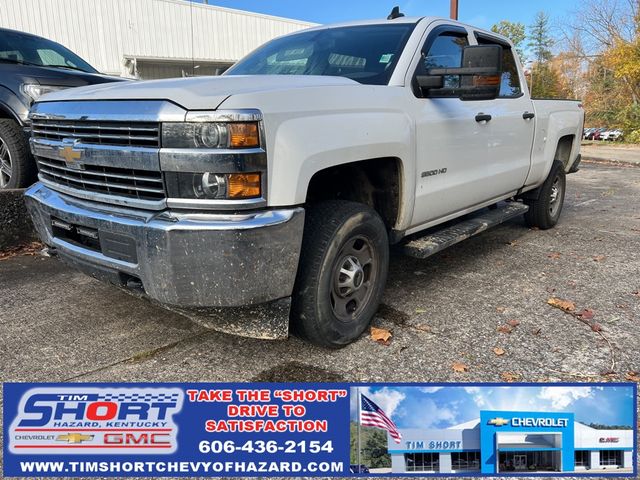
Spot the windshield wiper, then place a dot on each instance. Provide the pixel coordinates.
(66, 66)
(18, 62)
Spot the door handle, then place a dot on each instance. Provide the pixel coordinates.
(528, 115)
(483, 117)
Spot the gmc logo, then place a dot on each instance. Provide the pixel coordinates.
(133, 439)
(609, 440)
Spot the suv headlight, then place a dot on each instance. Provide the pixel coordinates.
(35, 90)
(210, 135)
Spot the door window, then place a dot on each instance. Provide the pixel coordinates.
(445, 51)
(510, 81)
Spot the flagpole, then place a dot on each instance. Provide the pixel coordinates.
(359, 421)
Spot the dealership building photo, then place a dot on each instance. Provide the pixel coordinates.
(513, 441)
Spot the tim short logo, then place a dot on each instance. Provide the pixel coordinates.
(498, 421)
(96, 420)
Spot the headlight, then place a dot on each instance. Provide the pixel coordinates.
(213, 186)
(35, 90)
(210, 135)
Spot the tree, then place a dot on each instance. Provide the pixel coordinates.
(375, 450)
(546, 82)
(514, 31)
(540, 39)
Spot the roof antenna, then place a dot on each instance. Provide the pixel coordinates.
(395, 13)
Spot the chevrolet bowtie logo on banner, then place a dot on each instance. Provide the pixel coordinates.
(74, 438)
(498, 421)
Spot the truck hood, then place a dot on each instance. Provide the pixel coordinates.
(201, 93)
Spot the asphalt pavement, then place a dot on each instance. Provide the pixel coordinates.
(60, 325)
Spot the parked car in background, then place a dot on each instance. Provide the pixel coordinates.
(31, 66)
(587, 132)
(612, 135)
(595, 134)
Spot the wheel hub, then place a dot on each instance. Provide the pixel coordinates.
(350, 276)
(354, 277)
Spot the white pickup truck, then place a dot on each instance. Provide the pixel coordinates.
(273, 193)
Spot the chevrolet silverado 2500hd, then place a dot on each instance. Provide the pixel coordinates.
(284, 182)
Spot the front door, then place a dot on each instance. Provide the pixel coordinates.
(520, 462)
(452, 154)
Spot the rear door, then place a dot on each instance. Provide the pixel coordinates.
(512, 124)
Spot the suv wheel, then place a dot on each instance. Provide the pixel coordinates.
(16, 164)
(545, 211)
(342, 273)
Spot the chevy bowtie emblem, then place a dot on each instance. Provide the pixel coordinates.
(71, 155)
(498, 421)
(74, 438)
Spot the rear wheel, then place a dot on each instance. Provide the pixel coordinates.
(17, 169)
(544, 212)
(342, 273)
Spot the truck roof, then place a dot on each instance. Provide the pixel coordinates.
(404, 20)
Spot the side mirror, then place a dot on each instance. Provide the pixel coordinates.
(479, 74)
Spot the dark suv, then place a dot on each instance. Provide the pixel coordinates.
(31, 66)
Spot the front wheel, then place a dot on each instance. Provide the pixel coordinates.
(342, 273)
(544, 212)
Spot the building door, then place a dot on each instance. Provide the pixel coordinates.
(520, 462)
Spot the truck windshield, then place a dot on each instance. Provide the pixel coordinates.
(367, 54)
(16, 47)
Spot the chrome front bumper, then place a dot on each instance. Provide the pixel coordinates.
(184, 260)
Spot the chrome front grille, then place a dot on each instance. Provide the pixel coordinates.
(115, 133)
(113, 181)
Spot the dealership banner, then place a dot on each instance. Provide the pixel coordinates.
(300, 429)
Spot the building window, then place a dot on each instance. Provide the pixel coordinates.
(582, 458)
(465, 460)
(422, 462)
(610, 457)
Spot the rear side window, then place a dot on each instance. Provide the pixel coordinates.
(510, 82)
(445, 51)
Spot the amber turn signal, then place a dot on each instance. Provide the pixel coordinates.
(243, 135)
(243, 185)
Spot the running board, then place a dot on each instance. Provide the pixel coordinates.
(439, 240)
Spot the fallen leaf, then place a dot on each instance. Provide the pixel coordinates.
(608, 373)
(586, 314)
(423, 328)
(633, 376)
(512, 243)
(596, 327)
(499, 351)
(536, 331)
(514, 323)
(380, 335)
(554, 255)
(636, 293)
(459, 367)
(420, 310)
(504, 329)
(565, 305)
(510, 376)
(598, 258)
(29, 249)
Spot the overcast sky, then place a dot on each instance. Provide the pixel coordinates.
(438, 407)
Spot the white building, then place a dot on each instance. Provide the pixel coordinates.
(147, 38)
(503, 442)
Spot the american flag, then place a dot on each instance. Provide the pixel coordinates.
(371, 415)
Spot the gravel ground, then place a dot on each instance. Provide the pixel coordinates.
(59, 325)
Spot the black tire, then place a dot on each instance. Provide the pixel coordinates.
(545, 211)
(17, 168)
(332, 308)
